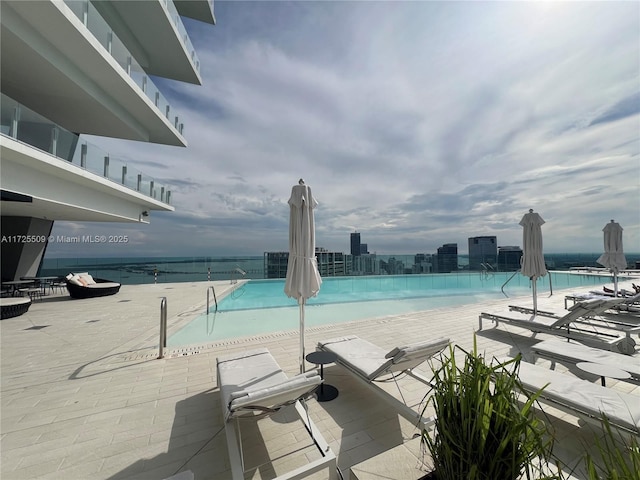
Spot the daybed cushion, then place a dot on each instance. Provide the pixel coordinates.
(103, 285)
(254, 377)
(576, 352)
(89, 279)
(623, 409)
(371, 361)
(81, 279)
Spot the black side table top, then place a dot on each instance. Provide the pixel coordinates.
(321, 358)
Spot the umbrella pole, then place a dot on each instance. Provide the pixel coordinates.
(534, 288)
(301, 302)
(615, 283)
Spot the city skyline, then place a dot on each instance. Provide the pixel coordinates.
(416, 124)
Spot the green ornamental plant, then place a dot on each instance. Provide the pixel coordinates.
(482, 431)
(619, 457)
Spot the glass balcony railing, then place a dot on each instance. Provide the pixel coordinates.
(31, 128)
(184, 36)
(99, 28)
(138, 270)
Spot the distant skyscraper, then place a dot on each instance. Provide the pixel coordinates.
(447, 259)
(364, 249)
(482, 250)
(422, 263)
(364, 265)
(509, 258)
(355, 244)
(330, 264)
(275, 264)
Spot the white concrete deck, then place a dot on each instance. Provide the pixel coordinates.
(84, 397)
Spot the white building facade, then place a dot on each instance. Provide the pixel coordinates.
(73, 67)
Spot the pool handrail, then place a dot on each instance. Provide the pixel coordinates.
(210, 288)
(514, 274)
(163, 327)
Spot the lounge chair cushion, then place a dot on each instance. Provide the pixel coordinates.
(253, 377)
(417, 350)
(371, 361)
(365, 358)
(623, 409)
(275, 395)
(576, 352)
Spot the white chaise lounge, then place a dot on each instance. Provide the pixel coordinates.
(582, 398)
(369, 363)
(626, 303)
(253, 385)
(572, 353)
(569, 325)
(593, 315)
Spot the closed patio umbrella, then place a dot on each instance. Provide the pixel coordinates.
(303, 279)
(532, 262)
(613, 256)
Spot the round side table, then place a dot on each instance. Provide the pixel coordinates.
(324, 393)
(603, 371)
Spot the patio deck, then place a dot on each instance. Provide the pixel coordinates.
(84, 397)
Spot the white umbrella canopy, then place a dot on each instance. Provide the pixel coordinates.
(303, 279)
(532, 263)
(613, 257)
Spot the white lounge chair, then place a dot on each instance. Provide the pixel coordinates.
(368, 363)
(572, 353)
(630, 302)
(593, 315)
(568, 326)
(584, 399)
(253, 385)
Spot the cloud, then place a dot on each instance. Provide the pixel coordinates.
(626, 107)
(416, 123)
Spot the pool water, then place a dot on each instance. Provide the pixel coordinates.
(260, 306)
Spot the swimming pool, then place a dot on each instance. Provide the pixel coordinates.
(260, 306)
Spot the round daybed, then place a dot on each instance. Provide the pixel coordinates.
(14, 307)
(101, 288)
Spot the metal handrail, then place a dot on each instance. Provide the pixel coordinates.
(514, 274)
(237, 270)
(210, 288)
(163, 327)
(486, 270)
(508, 280)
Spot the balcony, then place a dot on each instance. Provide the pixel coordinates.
(28, 127)
(201, 10)
(152, 31)
(64, 61)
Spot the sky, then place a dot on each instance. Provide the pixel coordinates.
(415, 123)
